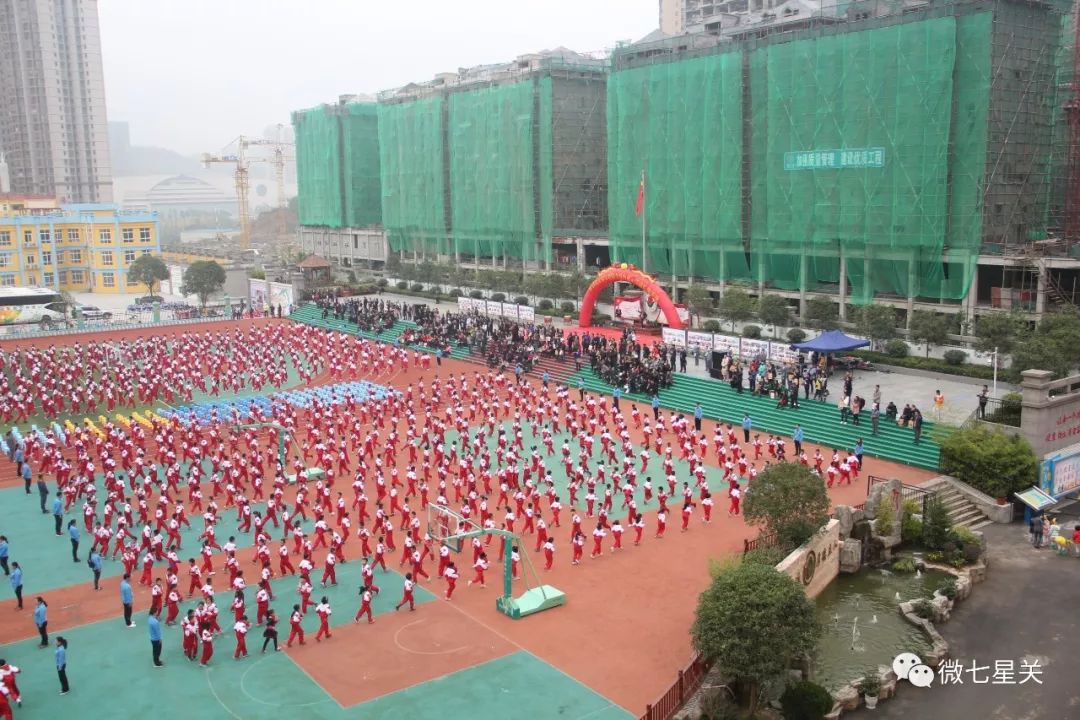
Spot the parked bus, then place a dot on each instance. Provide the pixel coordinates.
(31, 305)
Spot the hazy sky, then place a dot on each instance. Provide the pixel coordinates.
(191, 75)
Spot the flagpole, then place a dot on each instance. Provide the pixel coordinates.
(644, 261)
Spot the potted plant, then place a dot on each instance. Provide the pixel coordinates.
(871, 686)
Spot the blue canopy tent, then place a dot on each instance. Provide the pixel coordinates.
(831, 342)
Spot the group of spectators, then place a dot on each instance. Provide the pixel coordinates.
(627, 364)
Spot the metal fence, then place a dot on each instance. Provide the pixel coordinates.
(907, 492)
(686, 684)
(131, 322)
(764, 540)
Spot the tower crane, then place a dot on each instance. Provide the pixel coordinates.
(242, 160)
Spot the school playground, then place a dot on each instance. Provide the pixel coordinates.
(615, 646)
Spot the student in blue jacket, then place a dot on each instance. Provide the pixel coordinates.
(41, 619)
(61, 664)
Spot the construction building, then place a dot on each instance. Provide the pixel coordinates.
(80, 247)
(924, 155)
(53, 129)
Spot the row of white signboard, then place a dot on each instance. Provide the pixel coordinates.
(490, 308)
(746, 348)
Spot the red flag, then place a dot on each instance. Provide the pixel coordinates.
(640, 207)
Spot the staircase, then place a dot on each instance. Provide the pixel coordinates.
(962, 512)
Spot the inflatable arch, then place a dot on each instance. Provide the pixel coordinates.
(628, 274)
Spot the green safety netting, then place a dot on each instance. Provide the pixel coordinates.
(869, 145)
(360, 146)
(413, 189)
(318, 166)
(682, 124)
(493, 208)
(546, 169)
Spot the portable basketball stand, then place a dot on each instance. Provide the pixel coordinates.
(535, 599)
(314, 473)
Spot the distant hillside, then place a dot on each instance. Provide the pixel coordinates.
(146, 160)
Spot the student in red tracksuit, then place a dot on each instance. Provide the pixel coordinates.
(450, 573)
(365, 605)
(407, 594)
(241, 628)
(207, 647)
(549, 553)
(323, 611)
(295, 631)
(480, 566)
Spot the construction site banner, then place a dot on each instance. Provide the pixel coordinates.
(675, 337)
(782, 353)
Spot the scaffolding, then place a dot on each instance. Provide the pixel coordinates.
(871, 157)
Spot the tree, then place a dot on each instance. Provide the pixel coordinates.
(998, 331)
(989, 459)
(877, 322)
(773, 310)
(700, 300)
(752, 622)
(1053, 346)
(203, 279)
(736, 306)
(936, 526)
(822, 314)
(929, 327)
(789, 500)
(148, 270)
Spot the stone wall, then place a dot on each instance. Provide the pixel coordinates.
(1050, 415)
(815, 563)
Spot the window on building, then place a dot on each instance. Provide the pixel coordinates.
(108, 279)
(28, 238)
(50, 279)
(63, 277)
(144, 234)
(106, 257)
(129, 257)
(132, 281)
(5, 261)
(76, 276)
(76, 256)
(128, 234)
(45, 235)
(31, 259)
(105, 235)
(46, 258)
(5, 238)
(7, 280)
(145, 252)
(73, 235)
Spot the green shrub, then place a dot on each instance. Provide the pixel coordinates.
(711, 326)
(923, 609)
(382, 283)
(981, 372)
(990, 459)
(911, 527)
(957, 558)
(896, 348)
(796, 335)
(1009, 411)
(955, 357)
(884, 525)
(455, 293)
(567, 307)
(751, 331)
(964, 536)
(521, 300)
(417, 287)
(904, 565)
(935, 556)
(401, 285)
(545, 304)
(770, 556)
(936, 525)
(972, 553)
(475, 294)
(948, 589)
(805, 701)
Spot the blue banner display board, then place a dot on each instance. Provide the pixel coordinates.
(1060, 474)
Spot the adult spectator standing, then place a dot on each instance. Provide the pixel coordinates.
(43, 493)
(94, 561)
(698, 414)
(916, 422)
(73, 533)
(747, 425)
(656, 407)
(27, 476)
(18, 458)
(616, 394)
(4, 550)
(797, 436)
(16, 584)
(984, 397)
(154, 626)
(127, 598)
(58, 515)
(41, 619)
(61, 664)
(875, 418)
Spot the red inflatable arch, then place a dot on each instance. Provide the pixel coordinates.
(628, 274)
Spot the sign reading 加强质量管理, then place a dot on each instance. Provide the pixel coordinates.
(845, 159)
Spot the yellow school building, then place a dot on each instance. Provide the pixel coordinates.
(78, 248)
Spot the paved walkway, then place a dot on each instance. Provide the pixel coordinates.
(1024, 610)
